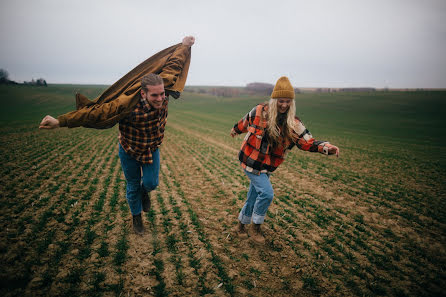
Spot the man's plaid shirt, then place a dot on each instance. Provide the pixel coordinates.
(143, 130)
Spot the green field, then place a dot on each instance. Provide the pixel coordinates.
(370, 223)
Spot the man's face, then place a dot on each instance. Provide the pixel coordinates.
(154, 95)
(283, 104)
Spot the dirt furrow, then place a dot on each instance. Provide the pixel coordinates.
(283, 183)
(68, 232)
(213, 204)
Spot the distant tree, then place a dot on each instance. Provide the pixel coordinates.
(260, 88)
(41, 82)
(36, 82)
(4, 76)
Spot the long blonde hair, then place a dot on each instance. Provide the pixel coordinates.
(289, 130)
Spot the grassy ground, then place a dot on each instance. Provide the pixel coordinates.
(369, 223)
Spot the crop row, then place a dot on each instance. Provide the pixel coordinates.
(66, 222)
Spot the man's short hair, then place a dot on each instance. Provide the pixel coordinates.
(151, 79)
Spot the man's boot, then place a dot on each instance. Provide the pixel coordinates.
(145, 200)
(137, 225)
(256, 234)
(241, 231)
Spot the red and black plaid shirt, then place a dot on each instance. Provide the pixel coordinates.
(257, 155)
(143, 130)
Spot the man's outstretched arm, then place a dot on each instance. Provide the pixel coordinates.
(121, 98)
(173, 70)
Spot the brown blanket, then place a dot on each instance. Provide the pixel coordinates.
(115, 103)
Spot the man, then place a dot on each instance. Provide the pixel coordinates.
(138, 102)
(272, 129)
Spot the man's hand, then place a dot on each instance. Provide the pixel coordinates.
(188, 40)
(49, 122)
(233, 133)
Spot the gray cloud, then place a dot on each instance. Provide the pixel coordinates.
(316, 43)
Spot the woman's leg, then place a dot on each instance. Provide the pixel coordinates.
(265, 194)
(259, 197)
(246, 213)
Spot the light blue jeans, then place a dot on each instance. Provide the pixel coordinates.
(132, 172)
(260, 195)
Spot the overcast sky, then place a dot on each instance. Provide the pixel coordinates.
(316, 43)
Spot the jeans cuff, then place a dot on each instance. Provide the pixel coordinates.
(256, 219)
(245, 220)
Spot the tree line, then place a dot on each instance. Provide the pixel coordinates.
(4, 80)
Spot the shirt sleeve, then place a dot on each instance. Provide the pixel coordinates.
(306, 142)
(242, 125)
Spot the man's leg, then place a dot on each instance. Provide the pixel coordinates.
(150, 179)
(132, 173)
(150, 172)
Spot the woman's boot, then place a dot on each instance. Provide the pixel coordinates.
(241, 231)
(256, 235)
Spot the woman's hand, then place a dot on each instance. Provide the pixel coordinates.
(233, 133)
(333, 150)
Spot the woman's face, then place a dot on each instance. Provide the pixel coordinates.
(283, 104)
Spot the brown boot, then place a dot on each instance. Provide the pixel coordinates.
(240, 231)
(145, 199)
(256, 235)
(137, 225)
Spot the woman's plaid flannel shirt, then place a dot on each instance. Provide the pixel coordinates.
(143, 130)
(256, 155)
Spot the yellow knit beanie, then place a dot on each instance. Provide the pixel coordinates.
(283, 89)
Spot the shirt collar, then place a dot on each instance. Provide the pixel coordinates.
(145, 105)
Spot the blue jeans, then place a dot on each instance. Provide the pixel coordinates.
(132, 172)
(260, 195)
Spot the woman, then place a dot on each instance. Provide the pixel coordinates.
(272, 128)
